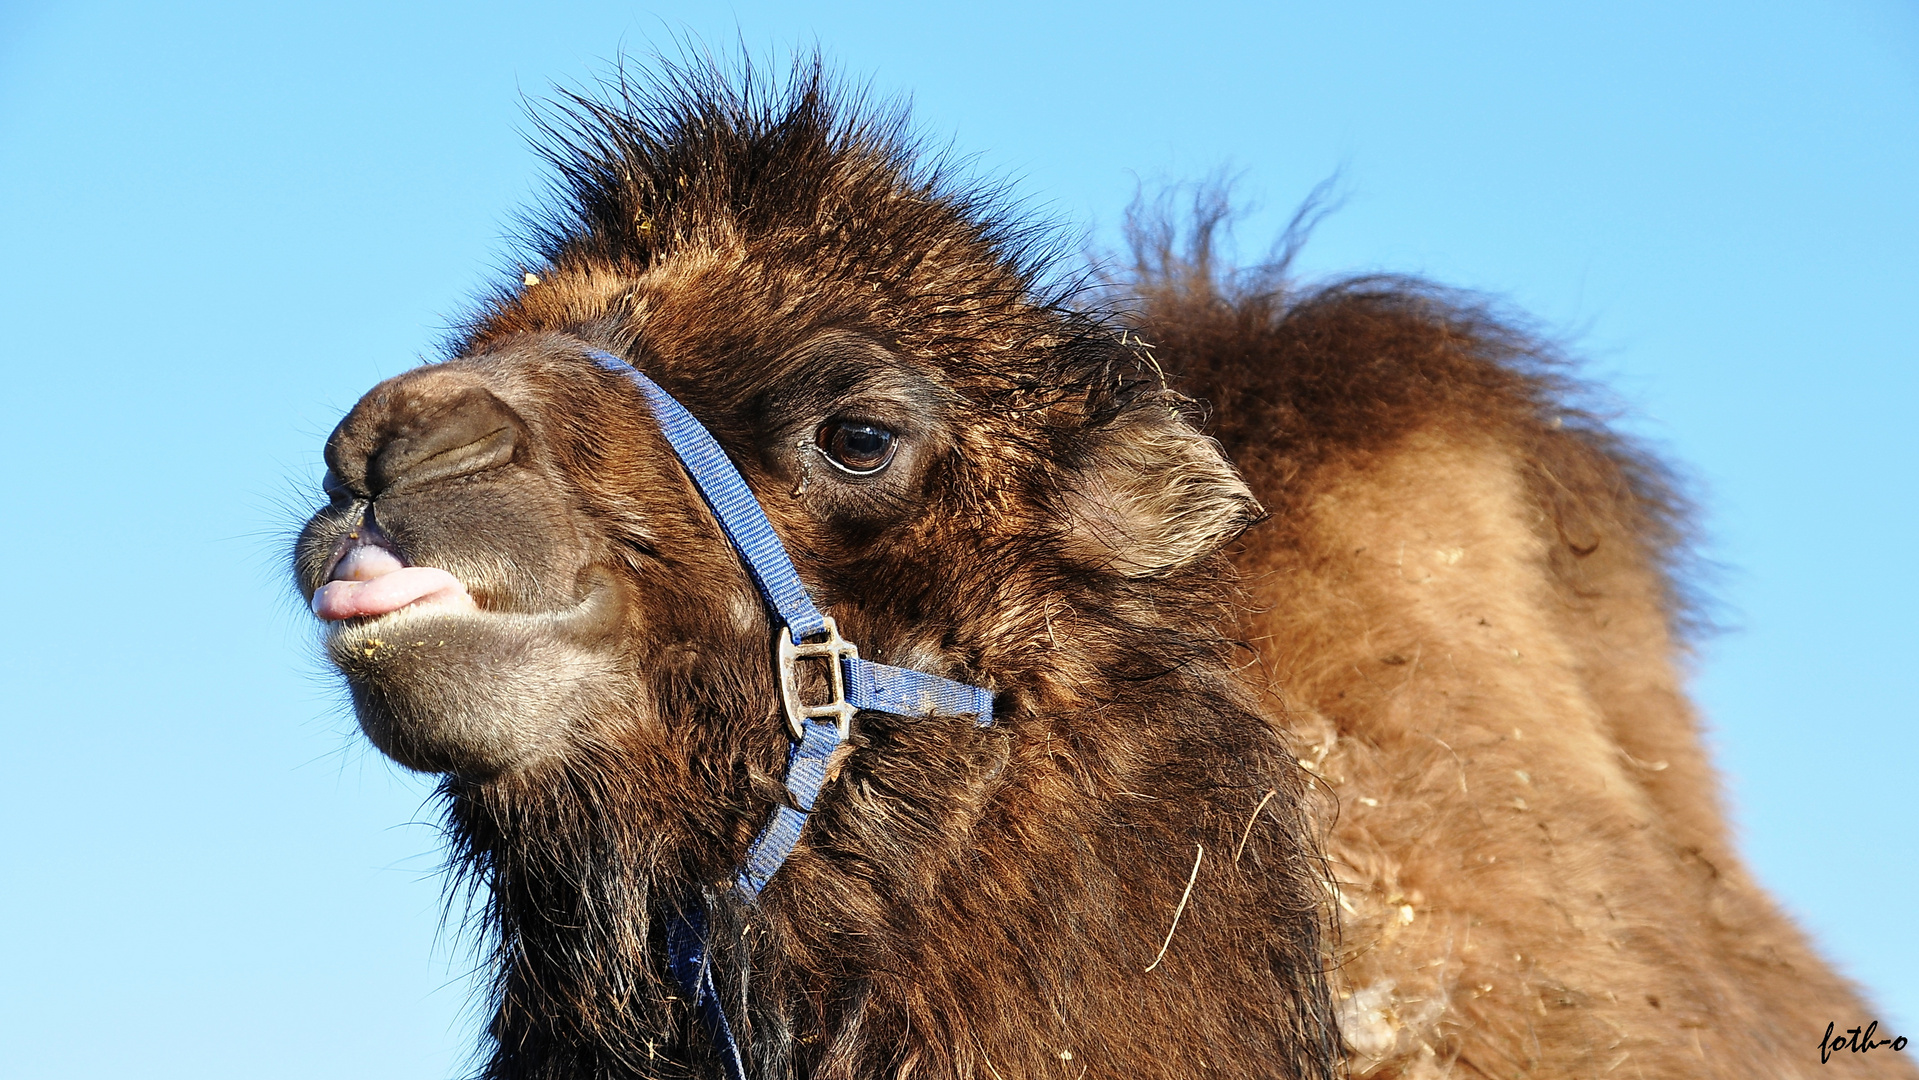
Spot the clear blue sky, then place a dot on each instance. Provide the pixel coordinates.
(221, 223)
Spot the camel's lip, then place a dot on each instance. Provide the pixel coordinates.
(590, 617)
(368, 578)
(357, 541)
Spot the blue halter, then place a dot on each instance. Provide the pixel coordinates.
(817, 730)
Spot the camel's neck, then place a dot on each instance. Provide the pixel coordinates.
(1070, 831)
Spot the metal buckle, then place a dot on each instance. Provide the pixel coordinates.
(834, 650)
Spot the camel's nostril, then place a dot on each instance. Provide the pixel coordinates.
(469, 432)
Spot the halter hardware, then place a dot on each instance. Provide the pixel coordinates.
(835, 650)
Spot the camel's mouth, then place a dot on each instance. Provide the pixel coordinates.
(443, 680)
(368, 579)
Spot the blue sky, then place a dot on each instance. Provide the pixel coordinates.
(221, 223)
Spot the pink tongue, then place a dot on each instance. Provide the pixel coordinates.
(387, 588)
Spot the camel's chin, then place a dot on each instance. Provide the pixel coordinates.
(471, 692)
(465, 742)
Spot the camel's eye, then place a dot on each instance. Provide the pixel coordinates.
(857, 446)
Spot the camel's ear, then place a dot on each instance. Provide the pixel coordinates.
(1154, 495)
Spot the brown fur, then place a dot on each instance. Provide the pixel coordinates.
(1460, 604)
(1462, 607)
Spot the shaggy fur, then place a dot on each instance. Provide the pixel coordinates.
(1460, 607)
(1464, 609)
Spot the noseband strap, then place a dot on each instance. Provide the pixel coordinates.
(858, 685)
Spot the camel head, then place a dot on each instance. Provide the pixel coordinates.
(515, 572)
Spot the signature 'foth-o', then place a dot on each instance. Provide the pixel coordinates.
(1336, 718)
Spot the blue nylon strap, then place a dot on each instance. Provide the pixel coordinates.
(805, 775)
(874, 687)
(732, 502)
(869, 686)
(686, 955)
(904, 692)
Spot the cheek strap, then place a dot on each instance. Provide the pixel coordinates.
(817, 729)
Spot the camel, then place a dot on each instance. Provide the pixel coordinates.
(1251, 680)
